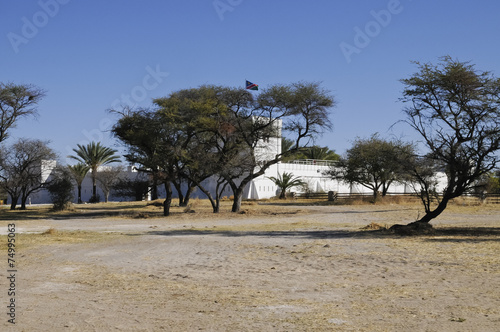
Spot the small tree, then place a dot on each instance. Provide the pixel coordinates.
(456, 110)
(137, 188)
(141, 131)
(491, 183)
(60, 188)
(374, 163)
(94, 155)
(24, 169)
(107, 178)
(285, 182)
(78, 173)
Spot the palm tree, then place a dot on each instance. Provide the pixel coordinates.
(285, 182)
(78, 173)
(320, 153)
(94, 155)
(313, 152)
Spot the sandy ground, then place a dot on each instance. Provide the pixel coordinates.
(307, 270)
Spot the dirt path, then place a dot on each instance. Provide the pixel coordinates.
(309, 271)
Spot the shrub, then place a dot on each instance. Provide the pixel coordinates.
(60, 189)
(95, 199)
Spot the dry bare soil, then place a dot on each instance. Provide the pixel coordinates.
(273, 268)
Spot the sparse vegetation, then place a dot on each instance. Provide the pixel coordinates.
(61, 189)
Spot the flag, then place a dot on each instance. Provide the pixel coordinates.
(252, 86)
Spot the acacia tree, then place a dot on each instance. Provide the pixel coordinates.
(221, 131)
(236, 126)
(154, 142)
(455, 109)
(203, 132)
(17, 101)
(301, 110)
(94, 155)
(107, 177)
(24, 170)
(374, 163)
(140, 131)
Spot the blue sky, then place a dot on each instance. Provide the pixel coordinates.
(91, 55)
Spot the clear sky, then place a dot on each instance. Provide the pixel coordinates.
(92, 55)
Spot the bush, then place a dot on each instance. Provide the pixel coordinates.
(137, 188)
(60, 189)
(95, 199)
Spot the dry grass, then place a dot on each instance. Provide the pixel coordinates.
(374, 226)
(50, 231)
(52, 236)
(201, 208)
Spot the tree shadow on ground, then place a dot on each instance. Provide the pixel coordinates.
(292, 203)
(78, 211)
(339, 205)
(464, 234)
(448, 234)
(287, 234)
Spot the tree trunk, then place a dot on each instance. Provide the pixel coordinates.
(13, 202)
(238, 196)
(215, 205)
(23, 202)
(168, 200)
(421, 226)
(216, 208)
(94, 185)
(188, 195)
(154, 188)
(154, 193)
(79, 194)
(436, 212)
(282, 194)
(177, 187)
(385, 189)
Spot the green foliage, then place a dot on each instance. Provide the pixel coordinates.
(285, 182)
(60, 188)
(320, 153)
(95, 199)
(215, 131)
(94, 155)
(78, 173)
(135, 188)
(313, 152)
(374, 163)
(489, 183)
